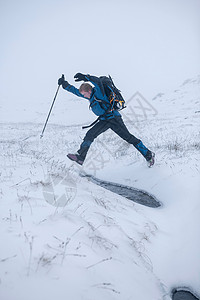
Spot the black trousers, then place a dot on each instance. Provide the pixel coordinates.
(117, 125)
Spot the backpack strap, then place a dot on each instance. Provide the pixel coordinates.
(100, 102)
(93, 123)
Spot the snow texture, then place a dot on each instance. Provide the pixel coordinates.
(63, 237)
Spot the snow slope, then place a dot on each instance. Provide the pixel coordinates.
(96, 244)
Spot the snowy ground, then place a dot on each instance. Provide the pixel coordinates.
(100, 245)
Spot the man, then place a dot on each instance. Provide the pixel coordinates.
(108, 118)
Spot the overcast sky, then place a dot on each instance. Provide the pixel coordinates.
(148, 46)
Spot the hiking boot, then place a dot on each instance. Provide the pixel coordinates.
(76, 158)
(151, 161)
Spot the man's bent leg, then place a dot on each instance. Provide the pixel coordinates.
(92, 133)
(118, 126)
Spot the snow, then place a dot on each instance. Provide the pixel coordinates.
(95, 244)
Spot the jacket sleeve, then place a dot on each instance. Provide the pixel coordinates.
(72, 89)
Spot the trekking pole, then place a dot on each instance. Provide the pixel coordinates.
(50, 109)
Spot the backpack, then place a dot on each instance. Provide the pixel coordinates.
(108, 87)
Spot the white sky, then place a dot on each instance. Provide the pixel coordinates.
(145, 45)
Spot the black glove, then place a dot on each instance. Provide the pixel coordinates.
(61, 80)
(79, 77)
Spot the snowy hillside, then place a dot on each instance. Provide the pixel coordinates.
(64, 237)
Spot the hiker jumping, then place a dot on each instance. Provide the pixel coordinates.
(103, 106)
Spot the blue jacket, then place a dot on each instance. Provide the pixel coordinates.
(99, 108)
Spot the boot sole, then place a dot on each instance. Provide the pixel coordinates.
(151, 162)
(77, 161)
